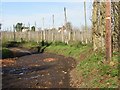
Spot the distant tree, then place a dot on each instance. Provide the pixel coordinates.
(19, 27)
(33, 28)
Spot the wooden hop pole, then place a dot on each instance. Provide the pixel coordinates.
(85, 19)
(53, 28)
(53, 20)
(65, 15)
(43, 22)
(35, 25)
(108, 30)
(14, 32)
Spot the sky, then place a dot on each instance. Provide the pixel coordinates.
(31, 12)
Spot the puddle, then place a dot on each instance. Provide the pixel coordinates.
(35, 76)
(21, 71)
(18, 71)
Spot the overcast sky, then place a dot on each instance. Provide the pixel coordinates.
(31, 12)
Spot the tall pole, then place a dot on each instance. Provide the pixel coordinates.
(29, 31)
(85, 18)
(108, 30)
(43, 22)
(0, 26)
(35, 25)
(14, 32)
(43, 29)
(65, 15)
(53, 20)
(53, 28)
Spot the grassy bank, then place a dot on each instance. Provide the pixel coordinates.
(95, 72)
(92, 69)
(68, 50)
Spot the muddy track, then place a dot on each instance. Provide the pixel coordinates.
(43, 70)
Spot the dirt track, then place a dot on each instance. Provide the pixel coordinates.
(43, 70)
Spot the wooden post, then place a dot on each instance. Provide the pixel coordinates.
(35, 25)
(41, 35)
(85, 21)
(53, 20)
(29, 25)
(108, 30)
(65, 15)
(44, 31)
(43, 22)
(0, 26)
(53, 28)
(14, 31)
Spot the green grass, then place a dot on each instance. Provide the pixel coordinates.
(29, 44)
(67, 50)
(6, 53)
(94, 71)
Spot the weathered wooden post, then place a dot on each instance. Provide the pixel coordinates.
(53, 28)
(0, 26)
(85, 33)
(41, 35)
(35, 25)
(53, 20)
(14, 37)
(108, 30)
(28, 31)
(43, 23)
(43, 29)
(65, 24)
(65, 15)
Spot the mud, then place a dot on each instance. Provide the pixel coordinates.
(44, 70)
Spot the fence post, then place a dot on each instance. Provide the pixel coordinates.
(14, 32)
(86, 41)
(65, 15)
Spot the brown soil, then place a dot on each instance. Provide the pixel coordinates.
(37, 71)
(76, 79)
(7, 62)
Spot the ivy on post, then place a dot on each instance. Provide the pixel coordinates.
(108, 30)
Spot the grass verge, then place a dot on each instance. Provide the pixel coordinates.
(67, 50)
(92, 71)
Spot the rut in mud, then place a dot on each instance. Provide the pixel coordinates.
(43, 70)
